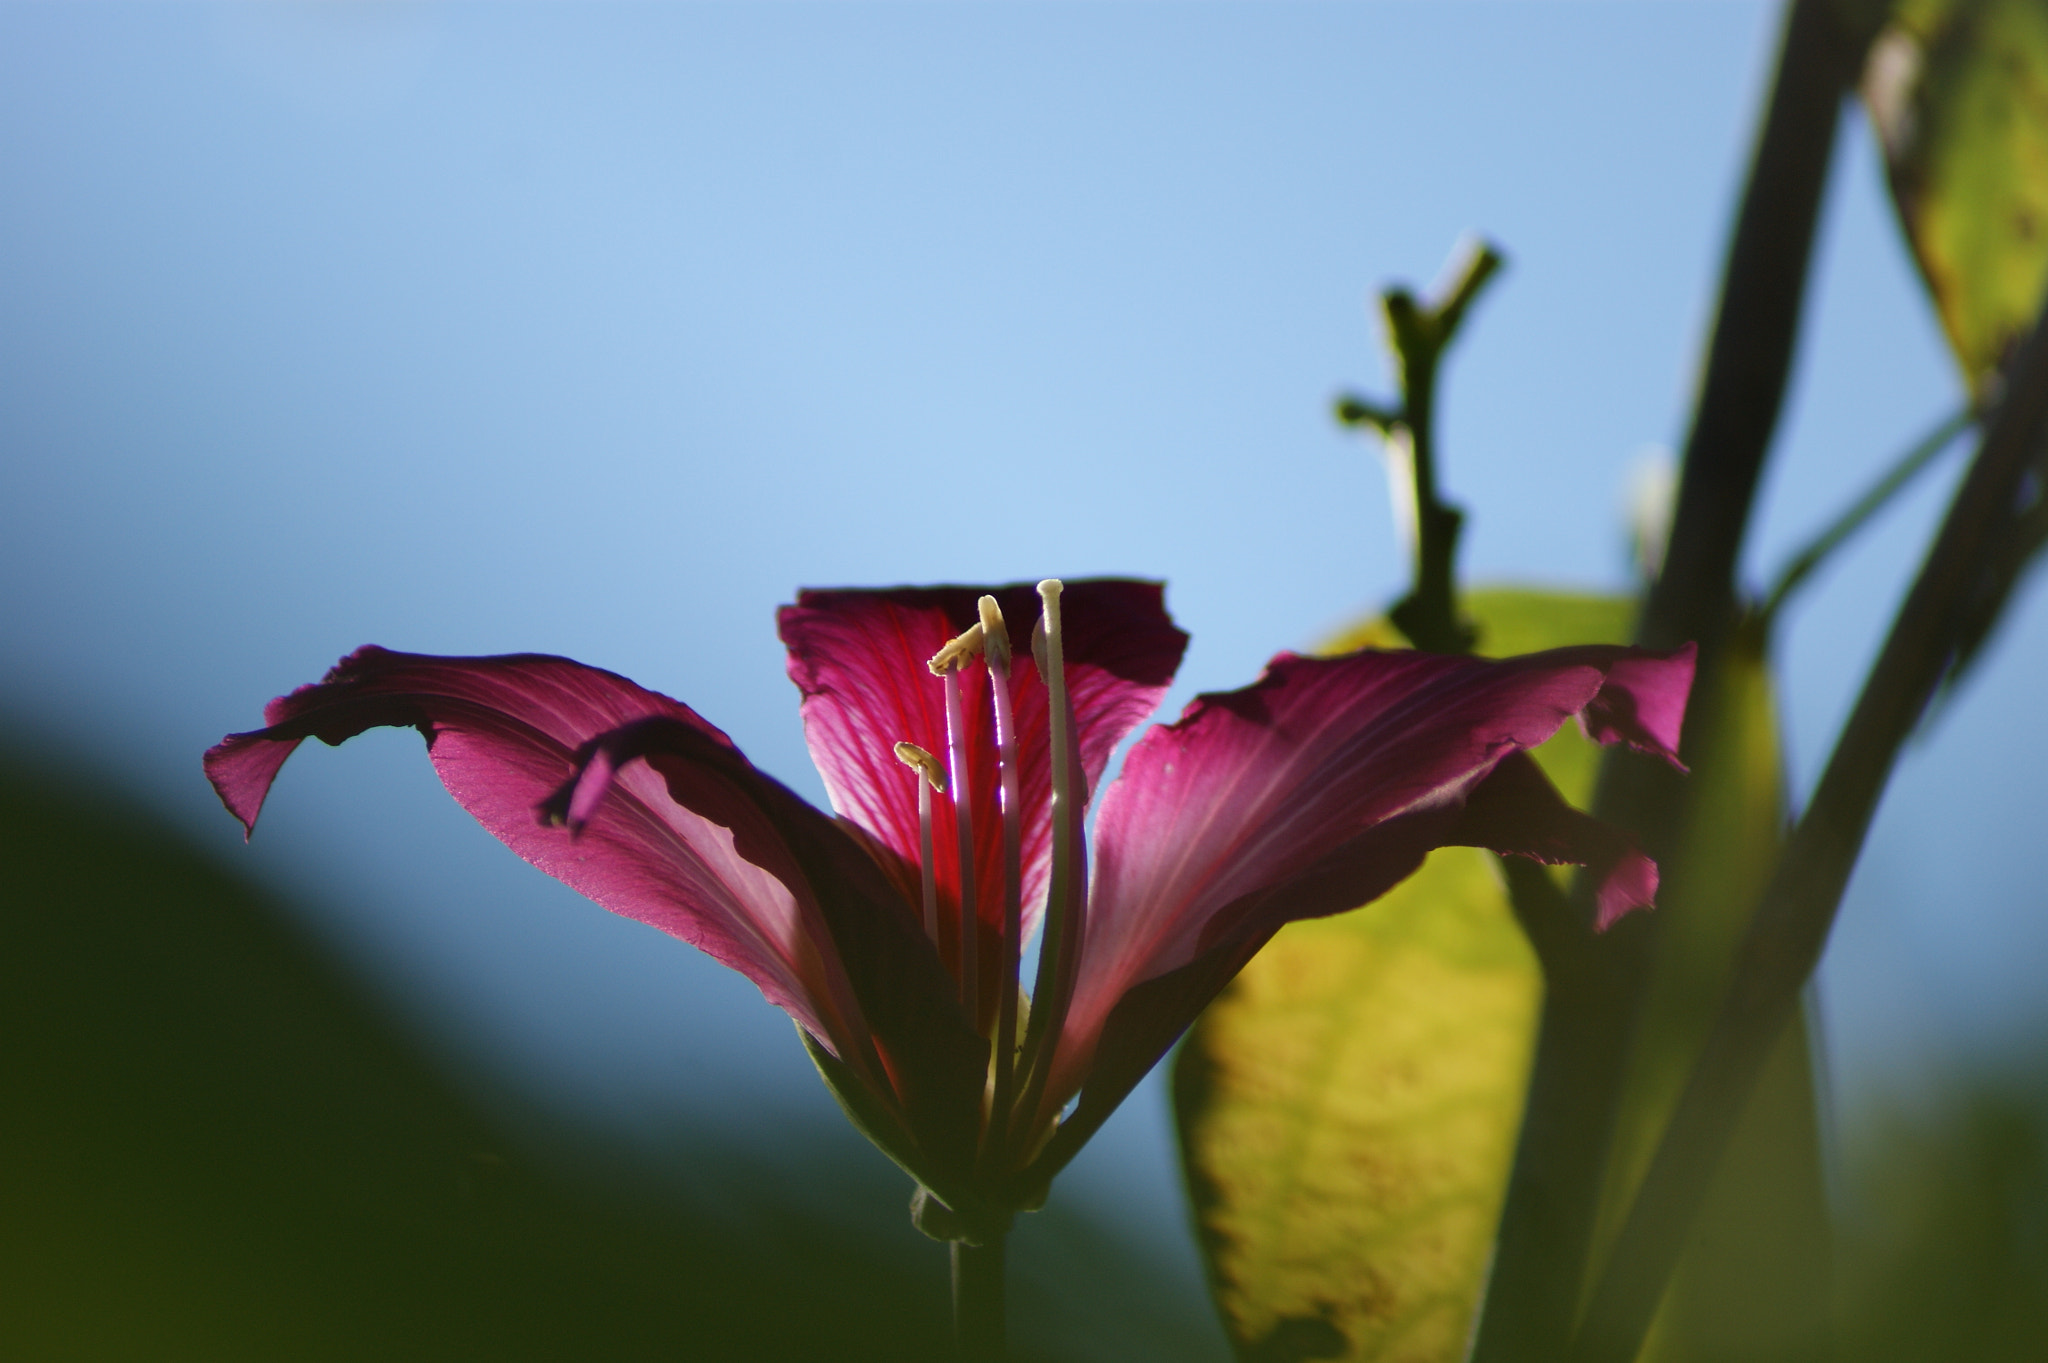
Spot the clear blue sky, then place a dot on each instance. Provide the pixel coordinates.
(599, 330)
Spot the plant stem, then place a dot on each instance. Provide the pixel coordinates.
(1428, 615)
(1749, 359)
(978, 1318)
(1594, 985)
(1791, 925)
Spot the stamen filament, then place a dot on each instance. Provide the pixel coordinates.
(1066, 896)
(996, 641)
(963, 823)
(931, 777)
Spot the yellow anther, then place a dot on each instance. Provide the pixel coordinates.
(957, 653)
(995, 635)
(910, 755)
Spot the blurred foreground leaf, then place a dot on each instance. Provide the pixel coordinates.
(213, 1146)
(1348, 1106)
(1755, 1283)
(1958, 90)
(1945, 1243)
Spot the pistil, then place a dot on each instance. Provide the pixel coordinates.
(947, 663)
(931, 777)
(996, 649)
(1066, 895)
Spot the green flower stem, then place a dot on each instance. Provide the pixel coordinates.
(1791, 925)
(1594, 984)
(978, 1319)
(1909, 466)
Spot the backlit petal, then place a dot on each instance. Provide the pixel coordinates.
(914, 1049)
(1322, 785)
(859, 659)
(502, 733)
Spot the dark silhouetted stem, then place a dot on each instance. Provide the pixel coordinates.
(1792, 922)
(1594, 984)
(1428, 615)
(978, 1322)
(1756, 328)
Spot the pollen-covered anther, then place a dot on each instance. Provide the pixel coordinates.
(910, 755)
(958, 652)
(995, 635)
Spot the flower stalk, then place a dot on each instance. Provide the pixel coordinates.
(980, 1327)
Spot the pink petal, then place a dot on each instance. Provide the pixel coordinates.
(1517, 812)
(859, 659)
(916, 1051)
(1643, 702)
(1322, 785)
(503, 733)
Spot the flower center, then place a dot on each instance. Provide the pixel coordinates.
(1016, 1063)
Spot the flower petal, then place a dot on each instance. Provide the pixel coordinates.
(859, 659)
(503, 733)
(915, 1049)
(1517, 812)
(1326, 782)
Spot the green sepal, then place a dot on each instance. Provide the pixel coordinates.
(964, 1208)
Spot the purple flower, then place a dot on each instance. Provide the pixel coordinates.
(959, 775)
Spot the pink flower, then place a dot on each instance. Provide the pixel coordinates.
(1313, 790)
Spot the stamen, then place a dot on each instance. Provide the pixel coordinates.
(910, 755)
(958, 652)
(934, 779)
(963, 824)
(996, 641)
(1066, 896)
(995, 635)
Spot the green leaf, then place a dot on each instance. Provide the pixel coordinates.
(1958, 91)
(1348, 1106)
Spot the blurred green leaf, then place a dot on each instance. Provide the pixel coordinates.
(215, 1144)
(1958, 90)
(1945, 1244)
(1348, 1107)
(1755, 1283)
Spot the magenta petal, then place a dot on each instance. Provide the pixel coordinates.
(923, 1055)
(859, 659)
(1318, 787)
(503, 733)
(1517, 812)
(1642, 702)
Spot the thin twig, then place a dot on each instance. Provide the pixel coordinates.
(1909, 466)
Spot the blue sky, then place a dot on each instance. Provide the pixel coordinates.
(600, 329)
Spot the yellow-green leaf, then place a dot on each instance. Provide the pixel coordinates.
(1348, 1107)
(1958, 90)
